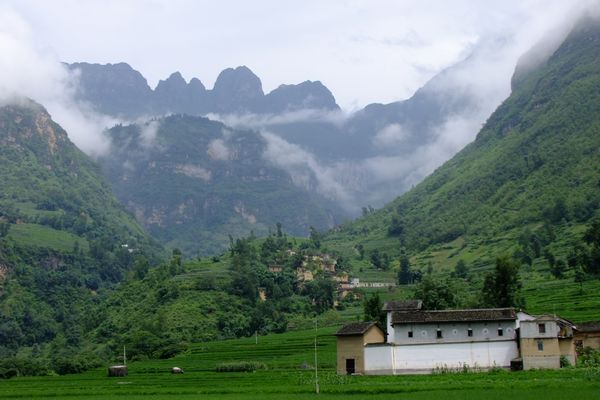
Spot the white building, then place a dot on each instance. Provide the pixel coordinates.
(420, 341)
(423, 341)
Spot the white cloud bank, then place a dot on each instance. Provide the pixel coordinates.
(27, 70)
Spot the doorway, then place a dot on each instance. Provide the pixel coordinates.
(350, 366)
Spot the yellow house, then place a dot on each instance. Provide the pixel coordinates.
(587, 334)
(544, 340)
(351, 341)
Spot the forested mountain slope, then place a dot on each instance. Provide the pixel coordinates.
(63, 235)
(535, 164)
(193, 183)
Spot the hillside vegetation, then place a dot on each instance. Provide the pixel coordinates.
(527, 187)
(193, 183)
(64, 238)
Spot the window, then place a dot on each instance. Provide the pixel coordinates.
(439, 333)
(540, 345)
(410, 334)
(470, 332)
(500, 332)
(542, 328)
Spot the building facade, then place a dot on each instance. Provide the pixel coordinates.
(421, 341)
(351, 341)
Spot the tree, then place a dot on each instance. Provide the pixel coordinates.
(141, 267)
(580, 278)
(501, 288)
(436, 294)
(320, 291)
(396, 227)
(592, 238)
(376, 259)
(558, 268)
(4, 228)
(461, 270)
(404, 274)
(315, 237)
(373, 310)
(361, 251)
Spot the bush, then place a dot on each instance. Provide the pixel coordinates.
(240, 366)
(63, 364)
(28, 366)
(589, 358)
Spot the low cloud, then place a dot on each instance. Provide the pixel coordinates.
(218, 150)
(305, 170)
(391, 135)
(259, 121)
(27, 70)
(148, 132)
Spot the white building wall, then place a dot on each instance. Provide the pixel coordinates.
(378, 359)
(531, 329)
(425, 358)
(390, 328)
(452, 332)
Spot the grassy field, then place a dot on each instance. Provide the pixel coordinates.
(290, 375)
(34, 235)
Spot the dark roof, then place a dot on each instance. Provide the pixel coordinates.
(356, 328)
(484, 314)
(402, 305)
(560, 321)
(593, 326)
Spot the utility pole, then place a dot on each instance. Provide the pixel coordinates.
(316, 361)
(124, 357)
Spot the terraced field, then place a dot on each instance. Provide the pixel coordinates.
(291, 375)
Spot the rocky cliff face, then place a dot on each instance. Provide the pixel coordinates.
(193, 182)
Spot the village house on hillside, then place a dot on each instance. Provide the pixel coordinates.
(421, 341)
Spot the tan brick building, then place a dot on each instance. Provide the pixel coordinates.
(351, 341)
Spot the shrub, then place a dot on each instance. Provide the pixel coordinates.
(589, 358)
(240, 366)
(564, 362)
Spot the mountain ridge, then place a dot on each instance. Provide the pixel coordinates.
(121, 91)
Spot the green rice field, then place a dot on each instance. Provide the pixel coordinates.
(290, 374)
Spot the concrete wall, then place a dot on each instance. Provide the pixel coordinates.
(453, 332)
(533, 357)
(591, 339)
(531, 329)
(389, 329)
(349, 347)
(425, 358)
(567, 348)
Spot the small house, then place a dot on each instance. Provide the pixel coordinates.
(587, 334)
(544, 340)
(351, 341)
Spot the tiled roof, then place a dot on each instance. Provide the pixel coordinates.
(355, 328)
(484, 314)
(593, 326)
(402, 305)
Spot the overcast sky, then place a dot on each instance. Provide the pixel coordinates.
(363, 51)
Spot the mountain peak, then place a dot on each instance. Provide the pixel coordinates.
(237, 90)
(305, 95)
